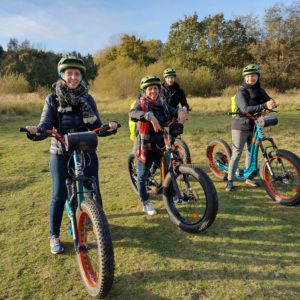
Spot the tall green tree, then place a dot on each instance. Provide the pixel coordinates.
(278, 51)
(213, 42)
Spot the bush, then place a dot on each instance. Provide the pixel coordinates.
(198, 83)
(13, 84)
(119, 78)
(230, 91)
(229, 77)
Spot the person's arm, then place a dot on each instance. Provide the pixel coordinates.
(93, 105)
(242, 104)
(136, 114)
(182, 99)
(269, 102)
(178, 113)
(38, 133)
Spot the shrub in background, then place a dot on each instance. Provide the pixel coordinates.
(13, 84)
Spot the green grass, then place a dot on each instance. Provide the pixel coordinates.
(250, 252)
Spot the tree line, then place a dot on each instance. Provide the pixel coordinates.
(208, 54)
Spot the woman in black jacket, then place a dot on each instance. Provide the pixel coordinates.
(250, 98)
(69, 109)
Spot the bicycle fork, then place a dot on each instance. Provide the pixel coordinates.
(267, 159)
(71, 211)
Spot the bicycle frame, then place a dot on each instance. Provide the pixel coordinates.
(171, 156)
(256, 144)
(75, 189)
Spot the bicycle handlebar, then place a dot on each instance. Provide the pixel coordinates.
(101, 131)
(250, 116)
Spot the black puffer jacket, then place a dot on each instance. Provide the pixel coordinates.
(250, 99)
(173, 95)
(63, 122)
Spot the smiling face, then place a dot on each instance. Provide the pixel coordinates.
(251, 79)
(72, 78)
(170, 80)
(152, 92)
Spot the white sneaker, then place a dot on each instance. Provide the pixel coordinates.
(148, 208)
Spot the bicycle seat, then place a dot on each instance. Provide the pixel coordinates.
(81, 141)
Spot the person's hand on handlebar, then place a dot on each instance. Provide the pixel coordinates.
(270, 104)
(155, 124)
(181, 116)
(112, 126)
(33, 129)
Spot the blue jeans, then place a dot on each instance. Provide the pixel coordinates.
(143, 170)
(59, 172)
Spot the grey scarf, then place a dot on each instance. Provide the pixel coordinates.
(76, 97)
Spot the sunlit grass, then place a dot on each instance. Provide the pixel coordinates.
(250, 252)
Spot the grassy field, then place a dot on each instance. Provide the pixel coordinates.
(250, 252)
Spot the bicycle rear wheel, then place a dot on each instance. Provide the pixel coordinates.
(96, 256)
(285, 187)
(184, 151)
(154, 177)
(218, 153)
(195, 209)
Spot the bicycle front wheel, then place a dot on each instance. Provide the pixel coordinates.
(284, 187)
(96, 255)
(195, 208)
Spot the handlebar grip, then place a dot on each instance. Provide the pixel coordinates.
(23, 129)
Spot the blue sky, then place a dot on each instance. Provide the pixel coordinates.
(90, 25)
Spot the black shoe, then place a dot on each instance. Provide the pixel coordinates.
(229, 186)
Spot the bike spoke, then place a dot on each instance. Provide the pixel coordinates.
(191, 203)
(285, 184)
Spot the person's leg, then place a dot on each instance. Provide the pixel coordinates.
(239, 139)
(58, 168)
(143, 170)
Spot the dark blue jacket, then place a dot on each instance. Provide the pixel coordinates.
(63, 122)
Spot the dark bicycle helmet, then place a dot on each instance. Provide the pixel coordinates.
(149, 80)
(251, 69)
(70, 62)
(169, 72)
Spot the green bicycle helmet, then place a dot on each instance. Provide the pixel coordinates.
(169, 72)
(251, 69)
(70, 62)
(149, 80)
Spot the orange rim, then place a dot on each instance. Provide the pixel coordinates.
(272, 188)
(211, 161)
(89, 273)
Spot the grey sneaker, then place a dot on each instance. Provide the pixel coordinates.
(55, 245)
(229, 186)
(148, 208)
